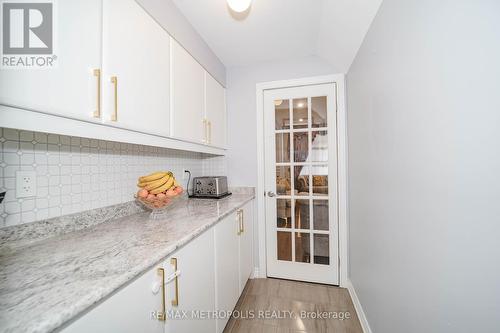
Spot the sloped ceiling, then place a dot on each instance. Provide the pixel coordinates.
(273, 30)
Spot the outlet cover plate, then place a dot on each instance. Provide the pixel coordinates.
(25, 184)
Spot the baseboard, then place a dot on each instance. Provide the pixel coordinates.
(357, 306)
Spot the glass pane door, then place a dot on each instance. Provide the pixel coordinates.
(302, 204)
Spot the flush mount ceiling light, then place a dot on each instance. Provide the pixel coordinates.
(278, 102)
(239, 5)
(300, 105)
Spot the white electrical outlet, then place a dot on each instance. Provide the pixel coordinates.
(25, 184)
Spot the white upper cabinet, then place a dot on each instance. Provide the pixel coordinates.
(215, 112)
(70, 88)
(135, 69)
(117, 66)
(187, 96)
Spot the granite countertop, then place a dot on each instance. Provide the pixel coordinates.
(47, 282)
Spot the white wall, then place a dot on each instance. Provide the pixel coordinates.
(424, 163)
(242, 123)
(171, 19)
(241, 104)
(342, 27)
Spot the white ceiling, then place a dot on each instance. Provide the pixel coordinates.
(274, 30)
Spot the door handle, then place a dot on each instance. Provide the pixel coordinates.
(271, 194)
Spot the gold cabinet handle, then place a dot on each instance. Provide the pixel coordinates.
(238, 212)
(209, 132)
(205, 140)
(242, 223)
(175, 302)
(97, 111)
(162, 315)
(114, 116)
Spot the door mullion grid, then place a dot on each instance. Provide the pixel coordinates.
(292, 180)
(324, 232)
(300, 130)
(309, 145)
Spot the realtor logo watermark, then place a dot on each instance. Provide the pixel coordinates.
(28, 34)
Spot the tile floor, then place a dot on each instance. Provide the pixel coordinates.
(303, 300)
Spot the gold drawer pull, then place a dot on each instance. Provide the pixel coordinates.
(175, 302)
(114, 116)
(162, 315)
(97, 111)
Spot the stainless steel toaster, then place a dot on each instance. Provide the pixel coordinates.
(210, 187)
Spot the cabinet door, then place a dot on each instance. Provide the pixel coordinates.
(131, 310)
(70, 88)
(136, 50)
(195, 287)
(215, 106)
(226, 266)
(246, 244)
(187, 95)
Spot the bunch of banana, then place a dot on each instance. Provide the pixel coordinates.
(157, 182)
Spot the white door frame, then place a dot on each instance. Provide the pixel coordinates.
(339, 80)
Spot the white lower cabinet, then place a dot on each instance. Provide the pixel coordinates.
(191, 302)
(226, 266)
(130, 310)
(233, 259)
(246, 244)
(202, 279)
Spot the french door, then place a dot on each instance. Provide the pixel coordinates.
(301, 183)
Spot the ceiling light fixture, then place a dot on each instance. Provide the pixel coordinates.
(300, 105)
(278, 102)
(239, 5)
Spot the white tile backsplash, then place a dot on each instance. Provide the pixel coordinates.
(76, 174)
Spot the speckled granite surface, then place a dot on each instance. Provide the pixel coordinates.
(25, 234)
(47, 282)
